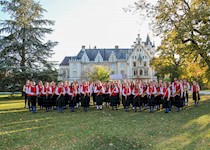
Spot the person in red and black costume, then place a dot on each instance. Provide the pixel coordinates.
(32, 92)
(131, 97)
(186, 88)
(166, 94)
(39, 94)
(151, 92)
(53, 95)
(24, 92)
(113, 91)
(60, 92)
(126, 92)
(85, 96)
(178, 96)
(46, 92)
(171, 96)
(66, 97)
(158, 98)
(106, 94)
(137, 91)
(195, 92)
(99, 90)
(144, 97)
(72, 92)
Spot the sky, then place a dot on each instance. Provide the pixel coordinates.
(100, 23)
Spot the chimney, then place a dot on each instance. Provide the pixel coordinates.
(83, 47)
(94, 47)
(116, 47)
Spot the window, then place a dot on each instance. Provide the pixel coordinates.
(137, 50)
(132, 57)
(74, 74)
(134, 64)
(140, 63)
(141, 72)
(135, 72)
(145, 63)
(122, 72)
(135, 57)
(146, 72)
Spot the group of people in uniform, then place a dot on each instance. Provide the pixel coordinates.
(136, 95)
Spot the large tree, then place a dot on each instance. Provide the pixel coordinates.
(23, 47)
(97, 72)
(188, 20)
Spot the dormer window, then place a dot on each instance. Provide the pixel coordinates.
(134, 64)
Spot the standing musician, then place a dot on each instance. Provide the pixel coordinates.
(53, 95)
(93, 85)
(158, 97)
(178, 95)
(144, 97)
(72, 92)
(78, 96)
(195, 89)
(131, 96)
(39, 94)
(106, 94)
(171, 97)
(31, 92)
(60, 92)
(113, 91)
(118, 84)
(126, 92)
(46, 92)
(24, 92)
(66, 97)
(85, 96)
(99, 91)
(137, 92)
(166, 95)
(186, 87)
(151, 92)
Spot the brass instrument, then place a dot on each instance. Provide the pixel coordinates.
(176, 93)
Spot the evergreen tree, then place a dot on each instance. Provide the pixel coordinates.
(23, 48)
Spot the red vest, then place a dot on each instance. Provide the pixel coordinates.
(165, 92)
(126, 91)
(113, 89)
(151, 89)
(178, 89)
(53, 89)
(85, 89)
(60, 90)
(194, 88)
(99, 89)
(136, 91)
(46, 90)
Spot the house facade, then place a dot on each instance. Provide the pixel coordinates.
(131, 63)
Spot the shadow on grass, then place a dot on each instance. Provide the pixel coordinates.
(23, 130)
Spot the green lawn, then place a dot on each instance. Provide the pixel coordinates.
(106, 129)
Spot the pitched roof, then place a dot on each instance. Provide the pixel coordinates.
(105, 53)
(92, 53)
(65, 61)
